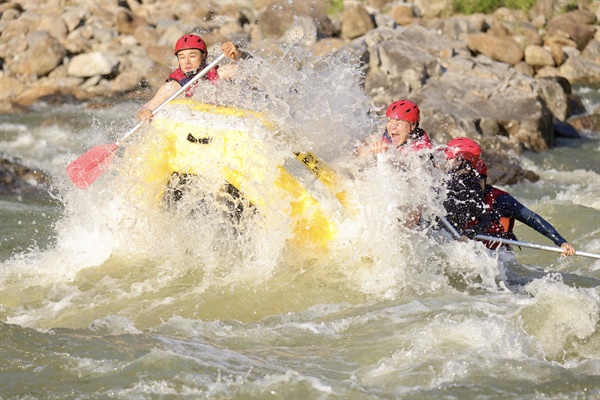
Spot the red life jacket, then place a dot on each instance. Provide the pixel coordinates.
(420, 144)
(182, 79)
(502, 228)
(412, 145)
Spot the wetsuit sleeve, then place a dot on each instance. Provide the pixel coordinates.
(508, 206)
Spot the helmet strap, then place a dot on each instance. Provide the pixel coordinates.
(195, 72)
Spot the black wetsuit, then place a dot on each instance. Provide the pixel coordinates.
(465, 204)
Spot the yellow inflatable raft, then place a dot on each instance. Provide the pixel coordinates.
(233, 146)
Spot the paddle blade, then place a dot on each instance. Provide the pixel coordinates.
(87, 168)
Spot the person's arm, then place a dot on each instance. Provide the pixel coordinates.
(510, 207)
(228, 71)
(371, 145)
(163, 93)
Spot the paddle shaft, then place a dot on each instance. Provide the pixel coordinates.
(509, 242)
(450, 227)
(534, 246)
(177, 93)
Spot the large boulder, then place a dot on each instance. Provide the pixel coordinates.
(500, 48)
(549, 8)
(44, 53)
(465, 101)
(504, 168)
(580, 70)
(275, 20)
(92, 64)
(592, 52)
(588, 122)
(127, 22)
(356, 21)
(456, 27)
(399, 62)
(15, 178)
(578, 25)
(537, 56)
(433, 8)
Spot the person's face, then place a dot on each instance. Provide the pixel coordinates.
(190, 59)
(452, 164)
(399, 130)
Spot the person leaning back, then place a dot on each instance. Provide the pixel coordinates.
(402, 132)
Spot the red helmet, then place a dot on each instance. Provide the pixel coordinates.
(481, 168)
(190, 42)
(463, 148)
(404, 110)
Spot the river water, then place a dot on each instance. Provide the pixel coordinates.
(102, 297)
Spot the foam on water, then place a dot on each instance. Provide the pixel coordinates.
(181, 302)
(118, 253)
(559, 316)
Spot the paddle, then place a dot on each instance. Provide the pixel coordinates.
(87, 168)
(515, 242)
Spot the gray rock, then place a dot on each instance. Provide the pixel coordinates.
(356, 21)
(433, 8)
(592, 52)
(580, 70)
(537, 56)
(554, 95)
(10, 88)
(44, 53)
(113, 47)
(588, 122)
(576, 24)
(456, 28)
(525, 69)
(73, 17)
(91, 64)
(499, 48)
(401, 14)
(304, 30)
(54, 26)
(504, 168)
(16, 178)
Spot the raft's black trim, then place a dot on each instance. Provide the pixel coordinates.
(204, 140)
(228, 195)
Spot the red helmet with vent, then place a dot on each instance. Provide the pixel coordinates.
(404, 110)
(463, 148)
(190, 42)
(481, 168)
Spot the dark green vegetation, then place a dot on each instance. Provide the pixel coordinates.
(489, 6)
(335, 6)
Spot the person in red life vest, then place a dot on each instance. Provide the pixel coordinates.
(191, 54)
(508, 209)
(402, 132)
(465, 204)
(403, 135)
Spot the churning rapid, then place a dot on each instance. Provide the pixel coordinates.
(114, 293)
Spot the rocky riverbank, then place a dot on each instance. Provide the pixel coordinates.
(504, 79)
